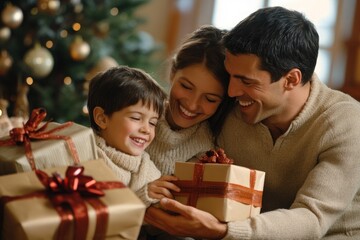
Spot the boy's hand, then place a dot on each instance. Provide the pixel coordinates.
(161, 187)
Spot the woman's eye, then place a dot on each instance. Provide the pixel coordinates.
(135, 118)
(185, 86)
(211, 100)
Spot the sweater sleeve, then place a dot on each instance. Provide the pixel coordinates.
(139, 181)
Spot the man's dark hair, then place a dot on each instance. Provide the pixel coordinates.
(281, 38)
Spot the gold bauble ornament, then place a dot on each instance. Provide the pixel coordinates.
(48, 6)
(79, 49)
(40, 61)
(12, 16)
(5, 34)
(103, 64)
(5, 62)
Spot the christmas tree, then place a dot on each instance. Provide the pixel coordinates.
(50, 49)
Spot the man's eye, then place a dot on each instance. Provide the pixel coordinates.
(245, 82)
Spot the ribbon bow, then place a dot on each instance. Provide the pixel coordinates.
(68, 196)
(31, 130)
(74, 181)
(216, 156)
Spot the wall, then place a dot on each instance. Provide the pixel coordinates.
(169, 21)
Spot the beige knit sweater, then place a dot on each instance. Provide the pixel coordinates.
(170, 146)
(134, 171)
(312, 183)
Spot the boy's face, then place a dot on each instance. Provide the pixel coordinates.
(131, 129)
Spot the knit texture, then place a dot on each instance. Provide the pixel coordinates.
(134, 171)
(312, 171)
(170, 146)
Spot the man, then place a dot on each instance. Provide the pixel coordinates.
(304, 135)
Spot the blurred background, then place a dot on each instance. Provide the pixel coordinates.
(50, 49)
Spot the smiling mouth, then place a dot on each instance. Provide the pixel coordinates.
(186, 112)
(245, 103)
(139, 140)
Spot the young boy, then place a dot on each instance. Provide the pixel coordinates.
(124, 107)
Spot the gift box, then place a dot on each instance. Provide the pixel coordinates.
(56, 145)
(226, 191)
(28, 210)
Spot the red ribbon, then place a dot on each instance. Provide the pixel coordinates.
(198, 187)
(68, 196)
(216, 156)
(30, 131)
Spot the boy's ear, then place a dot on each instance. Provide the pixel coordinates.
(293, 79)
(100, 117)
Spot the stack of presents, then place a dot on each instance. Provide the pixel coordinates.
(52, 185)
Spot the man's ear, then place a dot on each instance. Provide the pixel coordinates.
(292, 79)
(100, 117)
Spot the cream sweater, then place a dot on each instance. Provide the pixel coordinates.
(134, 171)
(312, 178)
(170, 146)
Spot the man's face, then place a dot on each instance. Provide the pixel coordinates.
(258, 98)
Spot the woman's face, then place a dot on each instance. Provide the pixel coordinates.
(194, 96)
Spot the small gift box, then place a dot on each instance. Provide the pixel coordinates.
(226, 191)
(88, 203)
(40, 145)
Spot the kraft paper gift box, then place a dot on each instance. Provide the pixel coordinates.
(226, 191)
(32, 215)
(48, 153)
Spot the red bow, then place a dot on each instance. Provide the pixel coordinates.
(216, 156)
(74, 181)
(31, 131)
(68, 196)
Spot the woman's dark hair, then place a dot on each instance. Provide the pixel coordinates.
(281, 38)
(204, 46)
(120, 87)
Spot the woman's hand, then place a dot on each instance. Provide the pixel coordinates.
(185, 221)
(161, 187)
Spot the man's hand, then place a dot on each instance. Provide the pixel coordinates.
(185, 221)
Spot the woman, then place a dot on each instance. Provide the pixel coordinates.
(198, 101)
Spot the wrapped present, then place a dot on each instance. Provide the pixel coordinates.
(87, 203)
(40, 145)
(226, 191)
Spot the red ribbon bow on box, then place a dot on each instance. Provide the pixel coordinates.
(198, 187)
(68, 196)
(31, 130)
(216, 156)
(74, 181)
